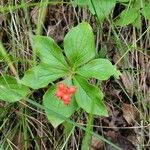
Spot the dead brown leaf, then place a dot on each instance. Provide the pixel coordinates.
(127, 82)
(34, 14)
(96, 144)
(130, 114)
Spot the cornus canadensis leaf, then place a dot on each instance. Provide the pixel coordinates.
(82, 2)
(101, 8)
(79, 44)
(127, 16)
(146, 11)
(89, 97)
(100, 69)
(52, 66)
(49, 52)
(11, 90)
(124, 0)
(137, 21)
(41, 75)
(55, 104)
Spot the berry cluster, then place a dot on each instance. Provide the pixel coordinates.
(64, 93)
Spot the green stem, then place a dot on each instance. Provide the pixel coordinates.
(4, 54)
(41, 17)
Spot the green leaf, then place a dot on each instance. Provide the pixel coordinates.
(103, 52)
(124, 1)
(79, 44)
(137, 22)
(55, 104)
(1, 58)
(1, 148)
(102, 8)
(82, 2)
(127, 16)
(11, 90)
(41, 75)
(146, 12)
(100, 69)
(89, 97)
(49, 52)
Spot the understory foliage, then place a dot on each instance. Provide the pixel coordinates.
(57, 86)
(78, 66)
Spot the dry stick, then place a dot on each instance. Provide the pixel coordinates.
(7, 59)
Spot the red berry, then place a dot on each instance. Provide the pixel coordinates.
(61, 86)
(65, 90)
(59, 94)
(65, 93)
(66, 97)
(66, 102)
(72, 89)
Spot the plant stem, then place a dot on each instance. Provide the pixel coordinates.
(4, 54)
